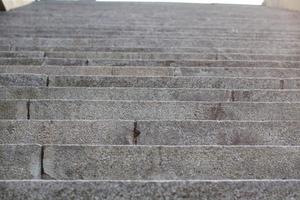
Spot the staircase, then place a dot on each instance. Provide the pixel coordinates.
(149, 101)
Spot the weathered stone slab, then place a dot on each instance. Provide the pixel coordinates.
(153, 110)
(20, 162)
(218, 133)
(139, 94)
(149, 42)
(150, 94)
(91, 70)
(13, 109)
(8, 79)
(111, 190)
(66, 132)
(167, 56)
(151, 132)
(155, 71)
(171, 162)
(172, 82)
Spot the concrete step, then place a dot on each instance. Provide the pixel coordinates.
(158, 63)
(69, 33)
(154, 110)
(20, 162)
(154, 25)
(16, 54)
(92, 162)
(14, 109)
(191, 189)
(201, 50)
(76, 32)
(148, 56)
(62, 42)
(9, 79)
(115, 132)
(150, 94)
(174, 82)
(154, 71)
(66, 132)
(145, 21)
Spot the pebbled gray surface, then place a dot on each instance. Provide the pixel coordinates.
(171, 162)
(20, 162)
(111, 190)
(153, 110)
(150, 94)
(66, 132)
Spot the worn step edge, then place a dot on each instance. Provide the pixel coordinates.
(167, 110)
(170, 162)
(153, 71)
(158, 189)
(123, 132)
(157, 94)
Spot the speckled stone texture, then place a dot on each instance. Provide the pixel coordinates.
(13, 109)
(152, 190)
(161, 110)
(171, 162)
(20, 162)
(149, 101)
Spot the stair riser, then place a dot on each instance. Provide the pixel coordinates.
(136, 34)
(20, 162)
(154, 71)
(23, 80)
(170, 163)
(200, 190)
(154, 63)
(13, 109)
(66, 132)
(144, 49)
(151, 94)
(147, 56)
(47, 42)
(119, 110)
(173, 82)
(152, 132)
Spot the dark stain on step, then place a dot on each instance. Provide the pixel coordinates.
(282, 84)
(28, 109)
(217, 112)
(47, 81)
(232, 95)
(44, 175)
(136, 133)
(168, 63)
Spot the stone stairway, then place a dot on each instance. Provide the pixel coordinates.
(149, 101)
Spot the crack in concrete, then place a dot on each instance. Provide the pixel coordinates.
(28, 109)
(136, 133)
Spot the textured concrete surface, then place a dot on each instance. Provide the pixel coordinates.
(171, 162)
(13, 109)
(66, 132)
(167, 110)
(218, 133)
(155, 71)
(151, 132)
(20, 162)
(132, 91)
(150, 94)
(22, 80)
(111, 190)
(174, 82)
